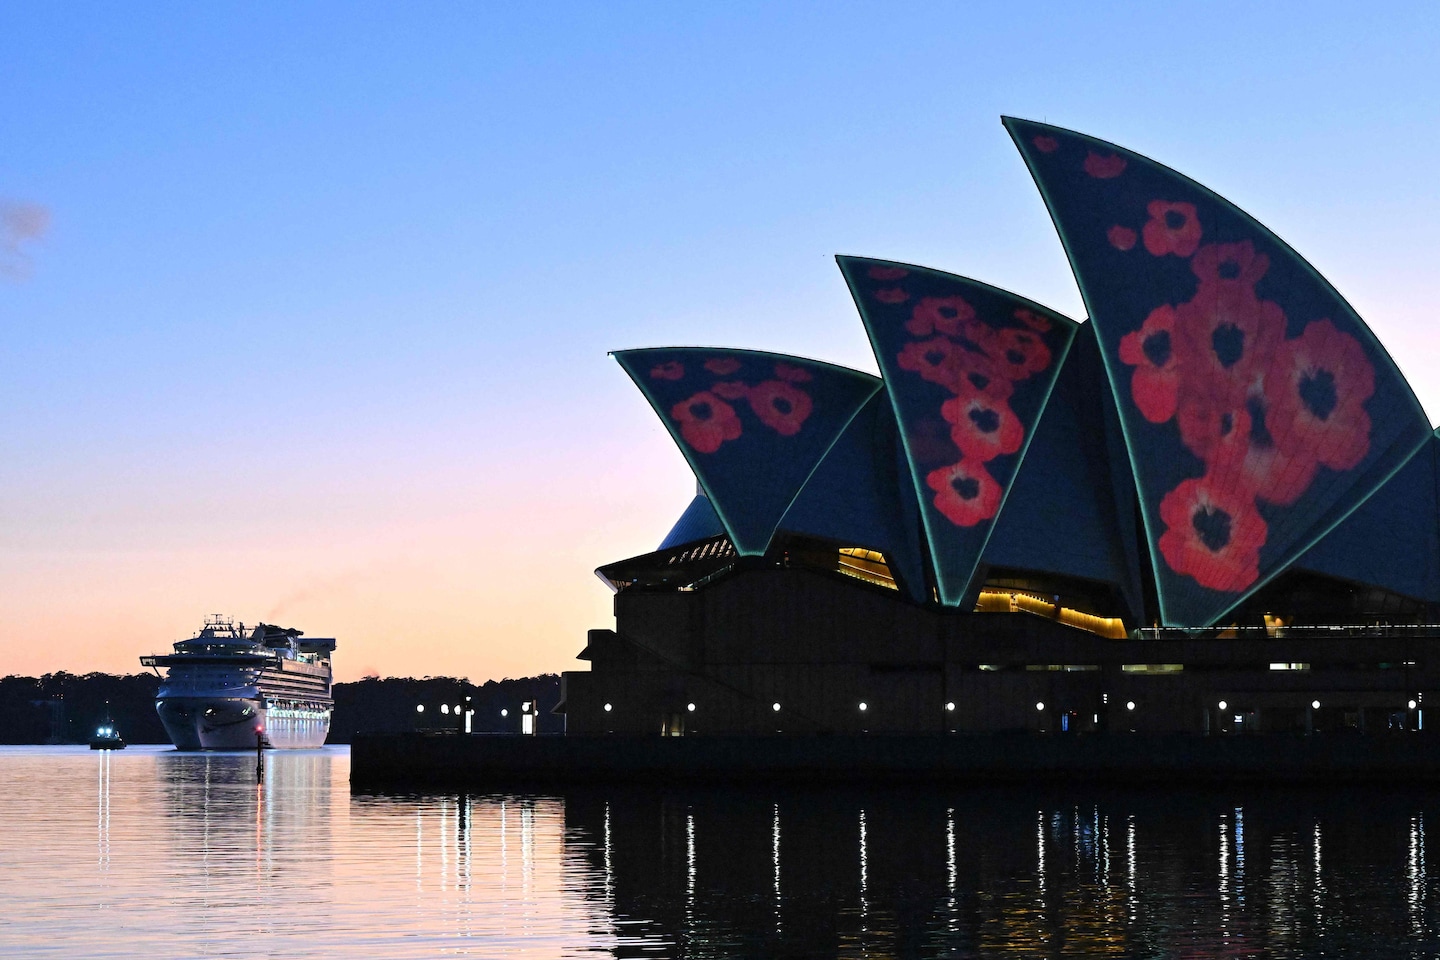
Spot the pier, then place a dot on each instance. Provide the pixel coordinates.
(431, 761)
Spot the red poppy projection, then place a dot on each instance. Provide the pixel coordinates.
(752, 425)
(968, 368)
(1259, 409)
(1259, 414)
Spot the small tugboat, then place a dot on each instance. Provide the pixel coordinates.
(107, 738)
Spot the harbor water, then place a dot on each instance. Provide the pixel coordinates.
(156, 854)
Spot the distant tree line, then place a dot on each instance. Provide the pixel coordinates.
(67, 707)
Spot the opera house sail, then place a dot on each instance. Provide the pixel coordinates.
(1211, 506)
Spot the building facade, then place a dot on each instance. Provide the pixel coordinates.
(1212, 507)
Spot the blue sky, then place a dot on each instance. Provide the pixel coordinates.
(318, 328)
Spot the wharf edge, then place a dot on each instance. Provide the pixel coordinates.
(430, 761)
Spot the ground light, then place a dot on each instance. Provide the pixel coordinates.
(419, 708)
(1129, 704)
(690, 707)
(775, 707)
(506, 713)
(1223, 704)
(607, 708)
(1412, 704)
(950, 705)
(1039, 706)
(1315, 704)
(864, 706)
(445, 708)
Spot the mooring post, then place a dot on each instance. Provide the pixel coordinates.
(259, 756)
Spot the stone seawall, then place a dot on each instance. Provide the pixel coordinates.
(398, 761)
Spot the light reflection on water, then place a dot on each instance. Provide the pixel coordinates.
(151, 853)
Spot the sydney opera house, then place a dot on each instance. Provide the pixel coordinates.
(1211, 507)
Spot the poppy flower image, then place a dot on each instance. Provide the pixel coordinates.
(1018, 353)
(1151, 350)
(788, 371)
(1242, 454)
(1104, 166)
(730, 389)
(1033, 320)
(1121, 238)
(1046, 144)
(981, 427)
(947, 315)
(781, 406)
(722, 366)
(970, 371)
(1317, 390)
(1212, 534)
(887, 273)
(965, 493)
(955, 367)
(1204, 423)
(1172, 228)
(671, 370)
(1232, 266)
(706, 421)
(891, 295)
(1226, 338)
(931, 359)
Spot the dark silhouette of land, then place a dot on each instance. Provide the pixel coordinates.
(66, 707)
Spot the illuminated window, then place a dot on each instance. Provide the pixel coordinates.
(995, 600)
(867, 565)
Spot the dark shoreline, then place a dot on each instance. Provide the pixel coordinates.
(66, 707)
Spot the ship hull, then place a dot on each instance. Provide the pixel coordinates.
(237, 723)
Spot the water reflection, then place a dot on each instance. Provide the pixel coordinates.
(102, 812)
(190, 855)
(1006, 873)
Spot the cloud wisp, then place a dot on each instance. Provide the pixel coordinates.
(21, 224)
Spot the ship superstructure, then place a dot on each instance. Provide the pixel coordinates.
(229, 689)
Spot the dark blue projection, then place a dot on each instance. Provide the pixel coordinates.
(752, 425)
(1258, 408)
(968, 368)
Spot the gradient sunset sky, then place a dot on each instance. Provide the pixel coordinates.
(304, 308)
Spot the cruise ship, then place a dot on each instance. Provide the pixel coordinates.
(226, 689)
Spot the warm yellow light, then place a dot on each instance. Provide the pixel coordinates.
(868, 565)
(994, 600)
